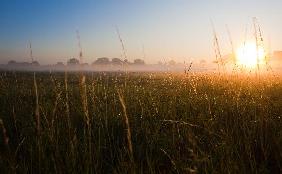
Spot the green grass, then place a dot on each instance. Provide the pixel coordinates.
(202, 123)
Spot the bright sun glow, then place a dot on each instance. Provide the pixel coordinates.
(249, 55)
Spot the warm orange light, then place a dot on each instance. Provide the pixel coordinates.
(249, 55)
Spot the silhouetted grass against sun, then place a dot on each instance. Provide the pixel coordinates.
(249, 55)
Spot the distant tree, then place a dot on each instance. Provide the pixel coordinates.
(12, 62)
(35, 63)
(23, 64)
(102, 61)
(60, 64)
(277, 55)
(73, 61)
(172, 63)
(160, 63)
(117, 61)
(139, 62)
(126, 61)
(202, 61)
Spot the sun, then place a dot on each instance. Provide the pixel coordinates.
(249, 55)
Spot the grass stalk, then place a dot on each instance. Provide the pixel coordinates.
(126, 122)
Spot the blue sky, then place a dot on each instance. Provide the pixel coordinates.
(168, 29)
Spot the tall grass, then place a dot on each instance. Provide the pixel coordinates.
(158, 123)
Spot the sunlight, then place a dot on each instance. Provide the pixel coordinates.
(248, 55)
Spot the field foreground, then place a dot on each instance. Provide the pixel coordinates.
(140, 123)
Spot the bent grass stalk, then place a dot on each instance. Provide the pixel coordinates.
(37, 119)
(88, 135)
(126, 122)
(37, 116)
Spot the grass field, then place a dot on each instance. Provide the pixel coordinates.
(140, 123)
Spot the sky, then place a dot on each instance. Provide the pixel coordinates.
(159, 29)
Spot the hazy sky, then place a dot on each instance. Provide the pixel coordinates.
(168, 29)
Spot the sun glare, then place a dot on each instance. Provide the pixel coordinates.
(248, 55)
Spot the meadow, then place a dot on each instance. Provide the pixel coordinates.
(140, 123)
